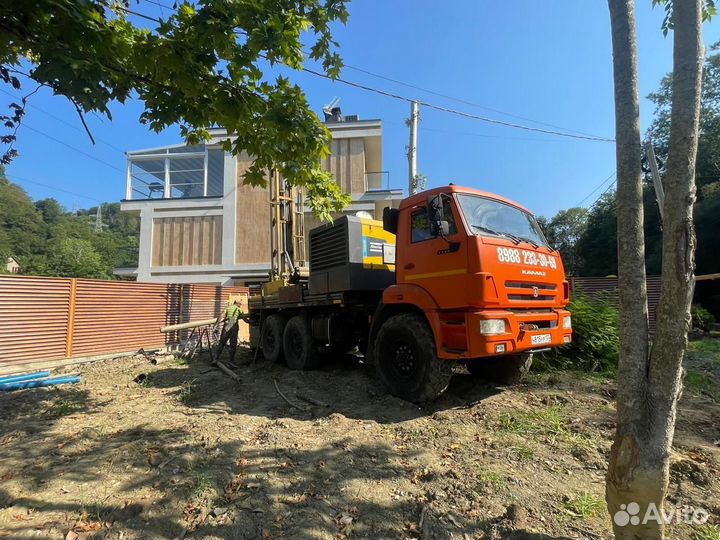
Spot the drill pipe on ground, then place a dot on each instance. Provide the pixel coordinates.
(21, 385)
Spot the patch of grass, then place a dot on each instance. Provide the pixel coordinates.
(71, 402)
(601, 377)
(491, 480)
(186, 393)
(540, 422)
(706, 531)
(585, 505)
(548, 423)
(706, 348)
(697, 383)
(523, 452)
(201, 488)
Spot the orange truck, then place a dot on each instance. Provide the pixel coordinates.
(454, 275)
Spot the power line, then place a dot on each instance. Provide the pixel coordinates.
(51, 115)
(424, 103)
(16, 178)
(460, 100)
(488, 136)
(597, 188)
(90, 156)
(456, 112)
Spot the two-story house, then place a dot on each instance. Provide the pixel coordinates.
(200, 224)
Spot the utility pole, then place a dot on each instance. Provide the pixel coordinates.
(657, 183)
(98, 219)
(412, 147)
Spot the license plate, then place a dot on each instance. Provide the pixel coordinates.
(540, 339)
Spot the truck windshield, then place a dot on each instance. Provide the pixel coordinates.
(489, 217)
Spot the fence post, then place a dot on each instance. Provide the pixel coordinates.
(71, 319)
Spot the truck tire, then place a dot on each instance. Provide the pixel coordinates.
(407, 362)
(271, 337)
(505, 370)
(299, 346)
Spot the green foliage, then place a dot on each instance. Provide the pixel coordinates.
(563, 232)
(709, 10)
(701, 318)
(597, 245)
(77, 257)
(46, 240)
(204, 65)
(595, 343)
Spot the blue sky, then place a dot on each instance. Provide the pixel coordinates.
(536, 61)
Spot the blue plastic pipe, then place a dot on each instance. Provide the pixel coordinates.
(9, 387)
(24, 377)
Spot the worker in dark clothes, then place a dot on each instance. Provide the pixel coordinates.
(229, 336)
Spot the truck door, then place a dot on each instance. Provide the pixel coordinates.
(437, 264)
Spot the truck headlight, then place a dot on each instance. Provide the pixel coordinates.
(491, 327)
(567, 322)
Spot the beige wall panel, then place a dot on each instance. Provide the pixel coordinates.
(157, 243)
(356, 168)
(217, 238)
(167, 244)
(205, 235)
(196, 245)
(187, 241)
(176, 242)
(252, 232)
(187, 246)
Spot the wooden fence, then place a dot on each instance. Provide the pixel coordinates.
(43, 319)
(607, 287)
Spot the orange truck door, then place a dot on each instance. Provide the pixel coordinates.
(437, 264)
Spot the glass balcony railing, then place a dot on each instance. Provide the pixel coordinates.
(172, 174)
(379, 180)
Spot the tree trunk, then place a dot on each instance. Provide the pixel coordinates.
(649, 383)
(632, 287)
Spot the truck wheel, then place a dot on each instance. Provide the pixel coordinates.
(299, 346)
(505, 370)
(407, 362)
(271, 337)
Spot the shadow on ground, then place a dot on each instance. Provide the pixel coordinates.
(347, 386)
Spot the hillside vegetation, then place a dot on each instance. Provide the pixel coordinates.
(47, 240)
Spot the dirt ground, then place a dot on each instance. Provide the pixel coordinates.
(179, 450)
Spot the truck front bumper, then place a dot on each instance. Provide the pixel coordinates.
(525, 331)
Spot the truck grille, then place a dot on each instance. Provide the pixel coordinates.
(524, 291)
(328, 246)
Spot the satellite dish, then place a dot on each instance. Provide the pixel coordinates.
(364, 214)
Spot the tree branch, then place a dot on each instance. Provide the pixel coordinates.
(82, 119)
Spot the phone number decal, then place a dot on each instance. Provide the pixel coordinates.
(530, 258)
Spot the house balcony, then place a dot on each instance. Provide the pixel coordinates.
(375, 181)
(175, 172)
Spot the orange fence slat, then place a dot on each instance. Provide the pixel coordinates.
(37, 322)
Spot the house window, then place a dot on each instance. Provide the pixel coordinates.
(175, 173)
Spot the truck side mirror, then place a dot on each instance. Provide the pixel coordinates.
(390, 219)
(435, 212)
(435, 208)
(439, 228)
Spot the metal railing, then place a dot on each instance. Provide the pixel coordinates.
(379, 180)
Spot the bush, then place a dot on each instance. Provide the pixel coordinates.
(702, 319)
(595, 345)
